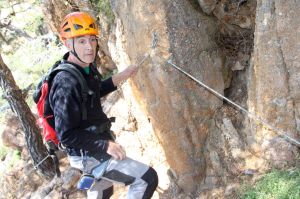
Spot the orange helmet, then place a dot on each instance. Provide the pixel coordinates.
(78, 24)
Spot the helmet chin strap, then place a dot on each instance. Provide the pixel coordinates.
(76, 55)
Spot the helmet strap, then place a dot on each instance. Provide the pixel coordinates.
(76, 55)
(74, 51)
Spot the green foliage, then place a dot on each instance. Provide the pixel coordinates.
(32, 57)
(16, 156)
(25, 21)
(104, 7)
(275, 185)
(29, 21)
(2, 4)
(13, 158)
(32, 60)
(28, 61)
(3, 152)
(34, 23)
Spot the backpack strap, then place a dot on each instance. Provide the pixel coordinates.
(85, 91)
(95, 70)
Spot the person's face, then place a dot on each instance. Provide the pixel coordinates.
(85, 47)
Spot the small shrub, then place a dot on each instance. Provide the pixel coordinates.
(3, 152)
(104, 7)
(16, 156)
(275, 185)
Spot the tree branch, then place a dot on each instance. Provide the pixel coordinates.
(18, 31)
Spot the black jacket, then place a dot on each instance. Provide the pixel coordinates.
(65, 101)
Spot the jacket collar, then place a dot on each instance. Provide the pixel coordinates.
(65, 60)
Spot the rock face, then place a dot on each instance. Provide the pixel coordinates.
(13, 135)
(202, 144)
(180, 112)
(208, 143)
(208, 5)
(274, 77)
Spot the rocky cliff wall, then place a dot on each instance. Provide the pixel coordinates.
(209, 143)
(180, 112)
(274, 79)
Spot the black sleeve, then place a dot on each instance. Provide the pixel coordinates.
(107, 86)
(65, 101)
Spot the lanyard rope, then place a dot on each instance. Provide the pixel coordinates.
(38, 164)
(250, 115)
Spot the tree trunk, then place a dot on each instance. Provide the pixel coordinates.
(33, 138)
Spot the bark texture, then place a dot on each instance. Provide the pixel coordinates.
(33, 137)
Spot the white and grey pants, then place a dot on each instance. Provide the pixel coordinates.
(142, 179)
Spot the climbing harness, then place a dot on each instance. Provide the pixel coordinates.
(250, 115)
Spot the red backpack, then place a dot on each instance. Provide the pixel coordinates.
(45, 114)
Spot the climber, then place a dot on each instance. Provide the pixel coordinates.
(89, 143)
